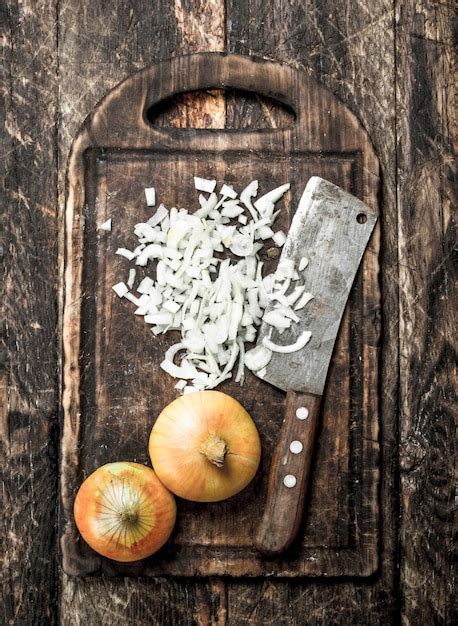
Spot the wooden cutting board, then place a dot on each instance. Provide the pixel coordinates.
(113, 387)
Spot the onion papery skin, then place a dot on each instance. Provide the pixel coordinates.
(184, 429)
(124, 512)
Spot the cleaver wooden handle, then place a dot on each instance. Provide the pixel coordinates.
(289, 474)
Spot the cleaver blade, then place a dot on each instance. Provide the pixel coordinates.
(331, 228)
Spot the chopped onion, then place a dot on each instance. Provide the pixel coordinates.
(268, 200)
(130, 296)
(276, 319)
(161, 319)
(160, 214)
(303, 263)
(286, 311)
(240, 376)
(285, 269)
(295, 294)
(203, 184)
(131, 279)
(232, 211)
(305, 298)
(300, 343)
(150, 195)
(171, 306)
(153, 251)
(120, 289)
(128, 254)
(257, 358)
(242, 245)
(208, 206)
(246, 195)
(106, 225)
(215, 303)
(228, 191)
(265, 232)
(195, 342)
(172, 351)
(185, 370)
(279, 238)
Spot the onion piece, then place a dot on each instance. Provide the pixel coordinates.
(257, 358)
(242, 245)
(231, 212)
(120, 289)
(161, 318)
(131, 279)
(153, 251)
(305, 298)
(106, 226)
(295, 294)
(285, 269)
(228, 191)
(130, 296)
(246, 195)
(208, 207)
(265, 232)
(229, 365)
(157, 218)
(279, 238)
(300, 343)
(303, 263)
(150, 195)
(173, 350)
(203, 184)
(185, 370)
(268, 200)
(194, 342)
(171, 306)
(240, 376)
(127, 254)
(286, 311)
(276, 319)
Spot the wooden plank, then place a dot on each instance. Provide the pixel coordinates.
(427, 299)
(28, 446)
(331, 42)
(100, 45)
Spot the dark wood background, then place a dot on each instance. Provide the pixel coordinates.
(390, 62)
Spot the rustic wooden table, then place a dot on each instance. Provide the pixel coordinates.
(390, 63)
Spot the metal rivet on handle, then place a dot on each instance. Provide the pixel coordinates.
(289, 481)
(302, 413)
(296, 447)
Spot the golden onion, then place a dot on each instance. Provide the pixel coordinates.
(124, 512)
(205, 447)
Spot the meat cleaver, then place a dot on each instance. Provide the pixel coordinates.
(331, 228)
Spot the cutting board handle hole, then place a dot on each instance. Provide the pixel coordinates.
(220, 109)
(361, 218)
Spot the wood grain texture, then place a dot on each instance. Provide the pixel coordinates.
(98, 47)
(284, 508)
(331, 42)
(349, 47)
(427, 300)
(28, 449)
(107, 415)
